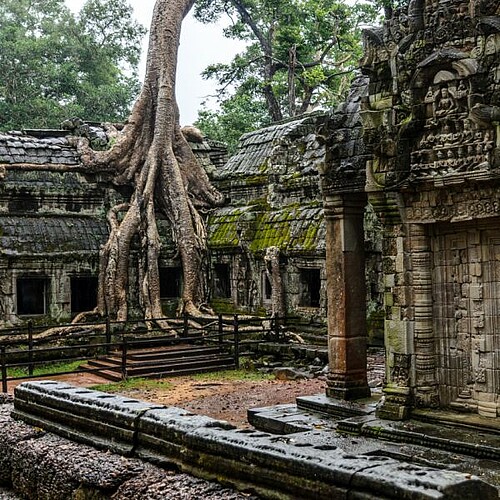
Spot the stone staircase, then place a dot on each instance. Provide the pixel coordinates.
(157, 362)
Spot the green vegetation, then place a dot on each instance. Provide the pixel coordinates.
(300, 55)
(229, 375)
(48, 369)
(55, 65)
(131, 384)
(238, 115)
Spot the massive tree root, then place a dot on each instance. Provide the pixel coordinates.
(153, 156)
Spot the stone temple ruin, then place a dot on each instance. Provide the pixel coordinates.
(431, 116)
(398, 189)
(384, 214)
(54, 222)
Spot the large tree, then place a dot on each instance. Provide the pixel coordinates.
(54, 64)
(300, 53)
(152, 154)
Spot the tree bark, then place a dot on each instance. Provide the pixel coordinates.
(153, 155)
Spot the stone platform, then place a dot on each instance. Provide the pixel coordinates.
(442, 439)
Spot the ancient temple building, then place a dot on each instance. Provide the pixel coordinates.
(273, 200)
(431, 128)
(53, 223)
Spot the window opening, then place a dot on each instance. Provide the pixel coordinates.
(31, 296)
(222, 281)
(170, 282)
(310, 282)
(267, 290)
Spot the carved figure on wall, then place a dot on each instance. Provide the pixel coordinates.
(455, 139)
(400, 371)
(445, 103)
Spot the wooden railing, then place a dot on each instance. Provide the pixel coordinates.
(33, 346)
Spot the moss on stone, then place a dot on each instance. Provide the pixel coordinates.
(255, 180)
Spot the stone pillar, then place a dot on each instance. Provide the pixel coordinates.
(345, 271)
(408, 304)
(425, 357)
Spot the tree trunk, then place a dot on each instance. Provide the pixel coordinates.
(154, 156)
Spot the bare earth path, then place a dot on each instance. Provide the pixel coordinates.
(229, 400)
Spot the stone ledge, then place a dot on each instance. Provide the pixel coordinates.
(35, 465)
(474, 443)
(246, 459)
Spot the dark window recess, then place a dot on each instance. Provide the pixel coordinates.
(170, 282)
(24, 201)
(267, 288)
(310, 286)
(222, 281)
(83, 294)
(31, 296)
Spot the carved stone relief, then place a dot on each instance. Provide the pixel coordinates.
(465, 298)
(451, 141)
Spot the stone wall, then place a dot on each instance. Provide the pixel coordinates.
(274, 467)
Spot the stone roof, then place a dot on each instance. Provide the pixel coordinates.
(286, 147)
(294, 229)
(51, 147)
(18, 148)
(50, 235)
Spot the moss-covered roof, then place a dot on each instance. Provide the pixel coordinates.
(294, 229)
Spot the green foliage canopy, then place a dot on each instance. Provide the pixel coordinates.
(54, 64)
(300, 53)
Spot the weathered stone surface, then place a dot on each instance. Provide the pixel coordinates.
(247, 459)
(53, 468)
(289, 373)
(22, 148)
(37, 465)
(157, 484)
(431, 161)
(11, 433)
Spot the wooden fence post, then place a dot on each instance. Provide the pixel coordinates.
(236, 343)
(221, 330)
(108, 334)
(124, 358)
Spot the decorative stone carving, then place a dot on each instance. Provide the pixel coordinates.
(400, 370)
(431, 119)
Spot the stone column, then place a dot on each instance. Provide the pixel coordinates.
(345, 271)
(425, 357)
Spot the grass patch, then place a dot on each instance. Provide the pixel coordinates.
(131, 384)
(48, 369)
(251, 375)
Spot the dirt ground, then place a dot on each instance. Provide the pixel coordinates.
(227, 399)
